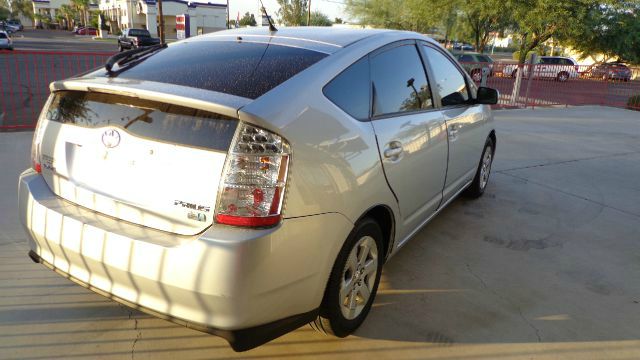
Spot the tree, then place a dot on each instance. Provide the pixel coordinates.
(320, 19)
(536, 21)
(293, 12)
(338, 20)
(69, 14)
(82, 6)
(484, 17)
(415, 15)
(612, 30)
(22, 7)
(248, 20)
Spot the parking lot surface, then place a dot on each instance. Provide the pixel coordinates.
(545, 265)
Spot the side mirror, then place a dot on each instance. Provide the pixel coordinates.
(487, 96)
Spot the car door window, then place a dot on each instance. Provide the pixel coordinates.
(350, 90)
(449, 81)
(399, 81)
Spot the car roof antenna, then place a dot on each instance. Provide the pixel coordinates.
(264, 12)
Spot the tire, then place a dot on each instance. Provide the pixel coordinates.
(514, 73)
(476, 75)
(562, 76)
(352, 270)
(480, 181)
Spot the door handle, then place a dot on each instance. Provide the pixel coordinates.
(393, 150)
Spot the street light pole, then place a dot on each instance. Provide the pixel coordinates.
(309, 14)
(228, 24)
(161, 21)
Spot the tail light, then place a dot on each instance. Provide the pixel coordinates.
(253, 184)
(36, 163)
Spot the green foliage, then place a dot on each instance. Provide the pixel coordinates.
(248, 20)
(320, 19)
(612, 30)
(4, 13)
(516, 54)
(293, 12)
(482, 17)
(22, 7)
(415, 15)
(634, 102)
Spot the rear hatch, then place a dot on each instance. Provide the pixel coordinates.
(143, 161)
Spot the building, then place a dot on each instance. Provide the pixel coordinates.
(49, 8)
(143, 14)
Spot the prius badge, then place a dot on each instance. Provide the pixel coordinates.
(111, 138)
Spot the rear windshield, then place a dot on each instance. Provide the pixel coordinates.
(3, 36)
(149, 119)
(243, 69)
(138, 32)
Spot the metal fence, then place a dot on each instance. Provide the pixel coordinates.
(25, 77)
(544, 85)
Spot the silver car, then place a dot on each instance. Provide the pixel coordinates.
(5, 41)
(245, 183)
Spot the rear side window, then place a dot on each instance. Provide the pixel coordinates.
(238, 68)
(144, 118)
(399, 81)
(449, 81)
(466, 58)
(138, 32)
(350, 90)
(3, 36)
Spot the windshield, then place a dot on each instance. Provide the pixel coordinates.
(139, 32)
(243, 69)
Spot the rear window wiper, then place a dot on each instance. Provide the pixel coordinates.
(131, 55)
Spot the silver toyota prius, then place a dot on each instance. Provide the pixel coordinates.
(247, 182)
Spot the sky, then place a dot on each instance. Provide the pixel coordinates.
(332, 8)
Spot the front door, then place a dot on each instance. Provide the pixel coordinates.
(465, 120)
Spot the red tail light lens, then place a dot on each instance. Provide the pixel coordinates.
(36, 163)
(253, 184)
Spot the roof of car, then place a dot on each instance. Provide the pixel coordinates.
(326, 36)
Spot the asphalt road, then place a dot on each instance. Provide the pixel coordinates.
(59, 40)
(544, 266)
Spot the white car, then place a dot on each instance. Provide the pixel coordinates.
(550, 67)
(5, 41)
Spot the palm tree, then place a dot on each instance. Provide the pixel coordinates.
(69, 13)
(83, 7)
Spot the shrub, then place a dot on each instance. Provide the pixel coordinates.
(634, 102)
(516, 54)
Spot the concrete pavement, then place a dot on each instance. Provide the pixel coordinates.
(545, 266)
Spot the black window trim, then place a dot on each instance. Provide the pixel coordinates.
(465, 76)
(387, 47)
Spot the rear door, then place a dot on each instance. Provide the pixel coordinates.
(464, 119)
(410, 131)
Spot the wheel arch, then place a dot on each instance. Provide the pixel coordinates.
(385, 218)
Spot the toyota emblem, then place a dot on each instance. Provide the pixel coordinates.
(111, 138)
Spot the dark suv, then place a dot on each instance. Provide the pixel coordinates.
(135, 38)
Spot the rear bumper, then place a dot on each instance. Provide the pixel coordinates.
(226, 281)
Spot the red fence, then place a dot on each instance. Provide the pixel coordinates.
(25, 78)
(545, 85)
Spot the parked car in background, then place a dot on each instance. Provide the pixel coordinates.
(135, 38)
(87, 31)
(163, 177)
(610, 71)
(8, 28)
(474, 62)
(5, 41)
(17, 23)
(463, 47)
(550, 67)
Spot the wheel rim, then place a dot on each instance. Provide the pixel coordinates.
(485, 169)
(563, 77)
(358, 277)
(477, 76)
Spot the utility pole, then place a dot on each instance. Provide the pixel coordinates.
(309, 14)
(228, 23)
(161, 22)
